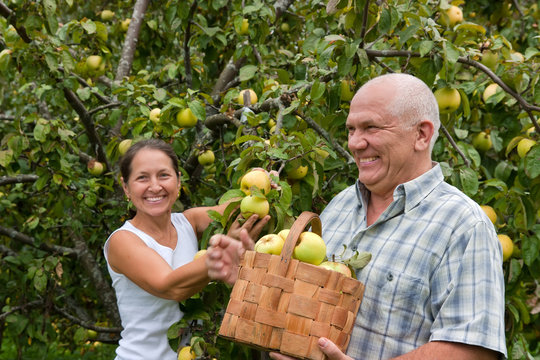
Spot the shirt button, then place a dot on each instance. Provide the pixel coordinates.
(389, 277)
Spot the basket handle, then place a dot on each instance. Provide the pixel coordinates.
(297, 228)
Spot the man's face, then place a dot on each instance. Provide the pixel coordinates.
(383, 146)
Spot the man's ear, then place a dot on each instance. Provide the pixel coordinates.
(424, 133)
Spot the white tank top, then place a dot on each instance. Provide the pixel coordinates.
(145, 317)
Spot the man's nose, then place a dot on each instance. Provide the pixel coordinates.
(357, 141)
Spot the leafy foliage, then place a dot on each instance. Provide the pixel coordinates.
(57, 113)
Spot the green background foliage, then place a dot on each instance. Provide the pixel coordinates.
(303, 59)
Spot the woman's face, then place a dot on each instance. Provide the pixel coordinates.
(153, 184)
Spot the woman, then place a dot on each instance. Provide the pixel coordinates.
(150, 258)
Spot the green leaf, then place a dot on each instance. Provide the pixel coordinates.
(425, 47)
(247, 72)
(198, 109)
(469, 181)
(530, 249)
(5, 157)
(232, 194)
(359, 260)
(317, 90)
(532, 162)
(89, 26)
(451, 52)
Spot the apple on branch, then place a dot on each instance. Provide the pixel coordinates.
(251, 204)
(448, 99)
(257, 178)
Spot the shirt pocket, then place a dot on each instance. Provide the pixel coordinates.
(391, 305)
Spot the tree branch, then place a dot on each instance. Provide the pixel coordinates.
(86, 324)
(25, 239)
(6, 180)
(187, 54)
(88, 124)
(130, 42)
(103, 107)
(31, 304)
(281, 7)
(365, 17)
(10, 16)
(449, 137)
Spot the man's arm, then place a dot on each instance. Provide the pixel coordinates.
(433, 350)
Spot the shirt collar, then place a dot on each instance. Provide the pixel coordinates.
(413, 191)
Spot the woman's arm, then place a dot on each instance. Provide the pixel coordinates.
(129, 255)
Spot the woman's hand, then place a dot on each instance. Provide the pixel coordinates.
(223, 255)
(252, 225)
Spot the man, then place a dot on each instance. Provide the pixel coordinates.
(434, 285)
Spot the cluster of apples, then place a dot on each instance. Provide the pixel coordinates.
(310, 248)
(255, 202)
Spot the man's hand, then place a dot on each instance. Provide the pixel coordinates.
(223, 255)
(252, 225)
(327, 347)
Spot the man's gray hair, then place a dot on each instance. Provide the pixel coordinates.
(413, 101)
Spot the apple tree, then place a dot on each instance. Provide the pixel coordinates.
(80, 78)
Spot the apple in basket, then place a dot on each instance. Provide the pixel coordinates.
(310, 248)
(270, 244)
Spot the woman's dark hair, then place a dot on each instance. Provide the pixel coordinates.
(154, 144)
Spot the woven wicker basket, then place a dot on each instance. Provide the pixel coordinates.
(284, 305)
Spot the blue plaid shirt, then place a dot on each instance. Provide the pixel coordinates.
(435, 273)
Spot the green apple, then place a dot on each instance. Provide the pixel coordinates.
(490, 59)
(186, 119)
(448, 99)
(124, 24)
(244, 27)
(95, 167)
(154, 115)
(254, 205)
(482, 141)
(284, 233)
(255, 178)
(523, 146)
(206, 158)
(337, 266)
(252, 97)
(107, 15)
(93, 62)
(346, 92)
(451, 16)
(310, 248)
(270, 244)
(285, 27)
(124, 146)
(489, 91)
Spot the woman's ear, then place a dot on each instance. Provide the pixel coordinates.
(125, 187)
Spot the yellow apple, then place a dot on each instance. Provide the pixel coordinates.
(337, 266)
(107, 15)
(255, 178)
(207, 157)
(310, 248)
(254, 205)
(252, 94)
(154, 115)
(297, 173)
(186, 119)
(284, 233)
(124, 24)
(490, 212)
(199, 254)
(124, 146)
(490, 90)
(93, 62)
(482, 141)
(451, 16)
(95, 167)
(270, 244)
(448, 99)
(523, 146)
(186, 353)
(507, 246)
(244, 28)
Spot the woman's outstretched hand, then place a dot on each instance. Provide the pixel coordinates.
(224, 253)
